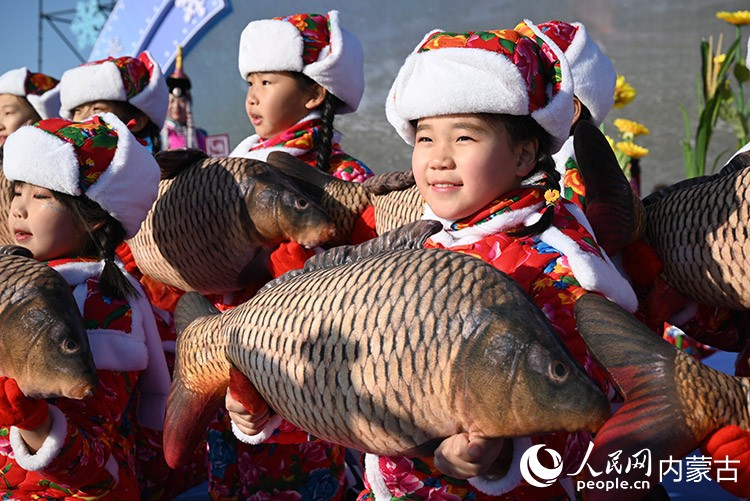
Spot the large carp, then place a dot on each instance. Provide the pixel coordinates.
(216, 220)
(699, 228)
(384, 348)
(43, 341)
(672, 401)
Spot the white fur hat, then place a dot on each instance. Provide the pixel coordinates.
(500, 72)
(312, 44)
(99, 158)
(40, 90)
(594, 77)
(137, 80)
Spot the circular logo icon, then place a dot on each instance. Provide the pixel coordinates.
(532, 470)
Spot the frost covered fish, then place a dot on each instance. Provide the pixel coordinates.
(672, 401)
(384, 347)
(43, 341)
(216, 220)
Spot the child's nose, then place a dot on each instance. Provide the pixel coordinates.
(441, 160)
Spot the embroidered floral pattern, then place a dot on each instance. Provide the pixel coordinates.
(38, 83)
(315, 33)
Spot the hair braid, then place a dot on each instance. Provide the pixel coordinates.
(324, 139)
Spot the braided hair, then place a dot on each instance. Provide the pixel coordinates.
(102, 242)
(323, 141)
(520, 129)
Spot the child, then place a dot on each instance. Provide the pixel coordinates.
(133, 88)
(301, 71)
(25, 98)
(484, 111)
(79, 189)
(594, 80)
(179, 130)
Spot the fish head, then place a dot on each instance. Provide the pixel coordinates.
(45, 346)
(280, 211)
(520, 378)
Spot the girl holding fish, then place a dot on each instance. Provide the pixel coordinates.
(80, 189)
(484, 111)
(301, 70)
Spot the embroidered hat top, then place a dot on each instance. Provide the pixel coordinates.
(40, 90)
(500, 72)
(594, 77)
(313, 44)
(99, 158)
(137, 80)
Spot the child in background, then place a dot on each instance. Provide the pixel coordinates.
(484, 111)
(594, 80)
(301, 71)
(25, 98)
(133, 88)
(79, 189)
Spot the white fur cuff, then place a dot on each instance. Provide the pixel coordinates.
(49, 449)
(512, 479)
(273, 423)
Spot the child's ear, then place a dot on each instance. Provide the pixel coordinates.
(317, 96)
(576, 110)
(526, 157)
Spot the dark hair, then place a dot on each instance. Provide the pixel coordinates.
(522, 128)
(125, 111)
(102, 241)
(323, 141)
(583, 116)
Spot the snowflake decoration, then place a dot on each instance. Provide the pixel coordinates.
(87, 23)
(114, 47)
(191, 8)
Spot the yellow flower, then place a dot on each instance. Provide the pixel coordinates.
(737, 18)
(631, 149)
(719, 58)
(551, 196)
(611, 142)
(624, 92)
(629, 126)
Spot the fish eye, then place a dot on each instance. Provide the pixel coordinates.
(558, 371)
(70, 346)
(301, 203)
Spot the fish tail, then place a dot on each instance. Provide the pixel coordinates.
(200, 379)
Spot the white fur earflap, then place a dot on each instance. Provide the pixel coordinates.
(102, 81)
(35, 156)
(277, 45)
(594, 76)
(13, 82)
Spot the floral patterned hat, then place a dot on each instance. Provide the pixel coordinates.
(99, 158)
(594, 77)
(499, 71)
(313, 44)
(137, 80)
(40, 90)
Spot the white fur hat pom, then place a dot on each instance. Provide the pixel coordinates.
(137, 80)
(499, 72)
(40, 90)
(312, 44)
(99, 158)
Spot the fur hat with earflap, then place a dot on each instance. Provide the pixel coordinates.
(594, 77)
(312, 44)
(136, 80)
(499, 72)
(99, 158)
(40, 90)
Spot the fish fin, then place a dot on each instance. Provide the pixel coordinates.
(311, 180)
(409, 236)
(16, 250)
(190, 306)
(188, 416)
(738, 162)
(172, 162)
(642, 366)
(388, 182)
(615, 213)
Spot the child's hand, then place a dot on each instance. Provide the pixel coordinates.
(730, 443)
(466, 455)
(245, 405)
(16, 409)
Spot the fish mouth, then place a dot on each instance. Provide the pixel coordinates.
(74, 392)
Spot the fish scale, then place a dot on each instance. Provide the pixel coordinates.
(700, 234)
(372, 354)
